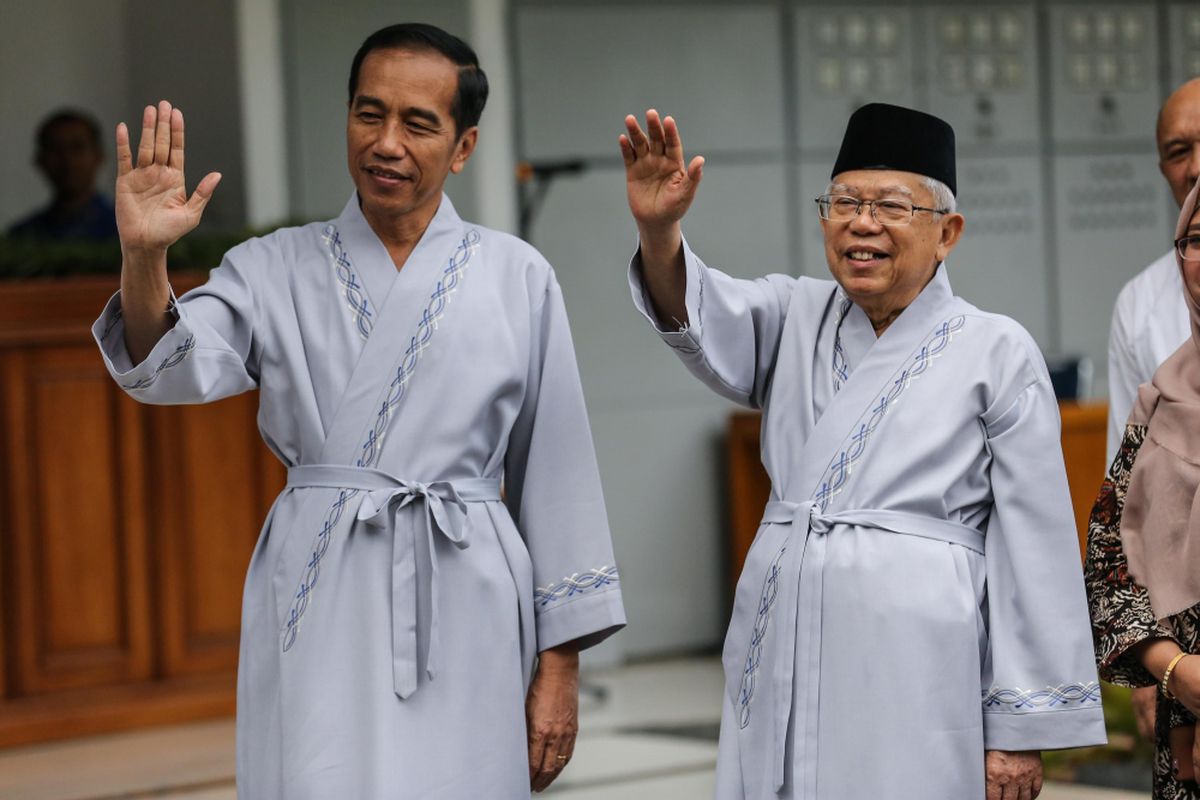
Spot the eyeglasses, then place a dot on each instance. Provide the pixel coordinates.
(1188, 248)
(843, 208)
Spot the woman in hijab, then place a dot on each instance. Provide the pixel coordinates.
(1143, 554)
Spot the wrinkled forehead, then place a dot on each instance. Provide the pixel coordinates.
(881, 183)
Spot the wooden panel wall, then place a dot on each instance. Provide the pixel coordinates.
(125, 531)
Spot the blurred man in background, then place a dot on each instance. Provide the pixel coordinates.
(69, 156)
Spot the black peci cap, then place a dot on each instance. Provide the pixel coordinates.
(882, 136)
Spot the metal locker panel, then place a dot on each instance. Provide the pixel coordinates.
(983, 72)
(1111, 222)
(1184, 42)
(999, 265)
(1103, 71)
(717, 69)
(845, 57)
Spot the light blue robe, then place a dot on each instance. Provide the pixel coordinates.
(394, 606)
(914, 595)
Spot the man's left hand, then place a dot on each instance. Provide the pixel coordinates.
(552, 714)
(1013, 776)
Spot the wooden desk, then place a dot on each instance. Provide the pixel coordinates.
(125, 530)
(1083, 443)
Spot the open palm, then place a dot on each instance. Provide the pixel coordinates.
(152, 205)
(659, 184)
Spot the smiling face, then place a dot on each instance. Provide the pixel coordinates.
(1179, 139)
(883, 268)
(401, 140)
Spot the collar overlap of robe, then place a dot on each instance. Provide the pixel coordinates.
(789, 609)
(409, 305)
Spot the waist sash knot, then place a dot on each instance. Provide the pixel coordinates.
(444, 503)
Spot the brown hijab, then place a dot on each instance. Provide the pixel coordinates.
(1160, 526)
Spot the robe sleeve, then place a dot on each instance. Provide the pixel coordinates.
(731, 339)
(1039, 687)
(552, 488)
(1120, 608)
(211, 351)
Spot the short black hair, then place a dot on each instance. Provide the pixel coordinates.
(67, 115)
(472, 83)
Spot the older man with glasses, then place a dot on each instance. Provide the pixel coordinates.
(910, 621)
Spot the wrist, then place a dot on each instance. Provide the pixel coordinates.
(560, 660)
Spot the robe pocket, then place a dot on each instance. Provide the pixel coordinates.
(754, 606)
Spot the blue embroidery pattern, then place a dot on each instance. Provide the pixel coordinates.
(356, 297)
(434, 311)
(757, 636)
(840, 468)
(577, 583)
(1051, 696)
(832, 482)
(841, 365)
(180, 353)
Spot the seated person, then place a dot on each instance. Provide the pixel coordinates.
(69, 155)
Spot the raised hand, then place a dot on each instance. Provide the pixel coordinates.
(659, 184)
(153, 209)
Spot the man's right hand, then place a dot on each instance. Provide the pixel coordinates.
(153, 209)
(660, 186)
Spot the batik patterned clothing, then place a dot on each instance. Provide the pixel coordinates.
(914, 595)
(1122, 616)
(394, 605)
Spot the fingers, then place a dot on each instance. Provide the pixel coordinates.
(162, 133)
(656, 132)
(1024, 792)
(537, 755)
(672, 144)
(146, 143)
(695, 170)
(555, 756)
(1037, 786)
(636, 138)
(175, 160)
(204, 192)
(124, 154)
(627, 154)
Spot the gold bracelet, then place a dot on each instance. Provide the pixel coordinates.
(1167, 675)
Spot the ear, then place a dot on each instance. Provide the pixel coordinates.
(952, 228)
(464, 149)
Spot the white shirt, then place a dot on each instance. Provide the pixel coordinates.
(1150, 321)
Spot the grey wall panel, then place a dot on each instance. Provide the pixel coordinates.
(848, 55)
(195, 67)
(585, 230)
(982, 63)
(813, 175)
(1184, 49)
(1112, 222)
(663, 480)
(1104, 71)
(321, 41)
(657, 428)
(999, 264)
(716, 68)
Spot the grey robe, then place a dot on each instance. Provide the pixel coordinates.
(394, 606)
(914, 595)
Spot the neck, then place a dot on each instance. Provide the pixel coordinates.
(883, 311)
(401, 232)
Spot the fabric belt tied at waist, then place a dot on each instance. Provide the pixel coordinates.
(801, 583)
(445, 512)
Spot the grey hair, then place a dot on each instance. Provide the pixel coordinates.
(943, 198)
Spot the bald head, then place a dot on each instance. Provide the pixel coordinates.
(1179, 139)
